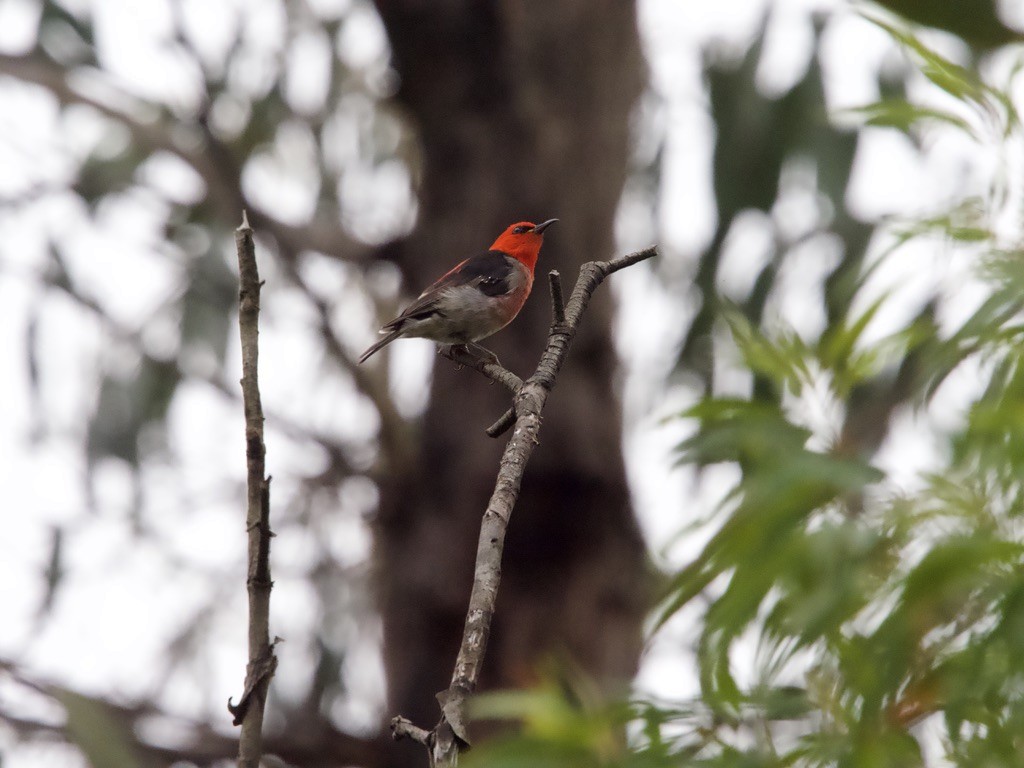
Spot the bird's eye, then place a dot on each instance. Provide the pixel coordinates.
(520, 230)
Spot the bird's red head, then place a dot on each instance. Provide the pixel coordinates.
(522, 241)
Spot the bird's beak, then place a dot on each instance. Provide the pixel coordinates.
(539, 229)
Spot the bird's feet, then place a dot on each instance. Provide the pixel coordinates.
(468, 354)
(453, 352)
(483, 353)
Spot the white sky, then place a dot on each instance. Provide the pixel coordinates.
(122, 580)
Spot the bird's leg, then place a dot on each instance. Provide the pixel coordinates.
(452, 352)
(483, 353)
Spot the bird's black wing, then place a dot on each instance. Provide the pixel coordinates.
(490, 272)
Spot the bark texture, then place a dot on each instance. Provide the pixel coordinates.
(262, 662)
(523, 113)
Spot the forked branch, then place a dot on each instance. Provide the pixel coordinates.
(450, 737)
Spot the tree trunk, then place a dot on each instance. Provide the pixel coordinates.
(523, 112)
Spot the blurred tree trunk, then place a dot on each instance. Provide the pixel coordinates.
(523, 112)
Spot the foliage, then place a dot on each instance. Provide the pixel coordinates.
(872, 607)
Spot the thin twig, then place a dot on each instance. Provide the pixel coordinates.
(508, 418)
(395, 436)
(495, 372)
(317, 744)
(262, 662)
(450, 736)
(183, 368)
(203, 152)
(492, 370)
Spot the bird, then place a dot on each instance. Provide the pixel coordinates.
(476, 298)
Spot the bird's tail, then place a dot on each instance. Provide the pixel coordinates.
(382, 343)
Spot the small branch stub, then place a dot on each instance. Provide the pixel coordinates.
(557, 302)
(404, 729)
(257, 678)
(503, 424)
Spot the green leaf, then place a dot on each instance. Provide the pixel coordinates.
(958, 81)
(740, 430)
(782, 360)
(787, 702)
(975, 21)
(936, 587)
(902, 115)
(105, 740)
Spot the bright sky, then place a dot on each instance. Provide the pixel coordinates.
(125, 580)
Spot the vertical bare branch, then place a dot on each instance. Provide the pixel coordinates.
(249, 711)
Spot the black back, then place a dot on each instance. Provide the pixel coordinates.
(494, 267)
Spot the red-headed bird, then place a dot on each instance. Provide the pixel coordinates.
(478, 297)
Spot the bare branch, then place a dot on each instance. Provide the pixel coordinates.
(321, 746)
(494, 371)
(262, 661)
(197, 146)
(215, 162)
(529, 403)
(508, 418)
(183, 368)
(395, 436)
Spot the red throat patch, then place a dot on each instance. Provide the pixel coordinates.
(521, 243)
